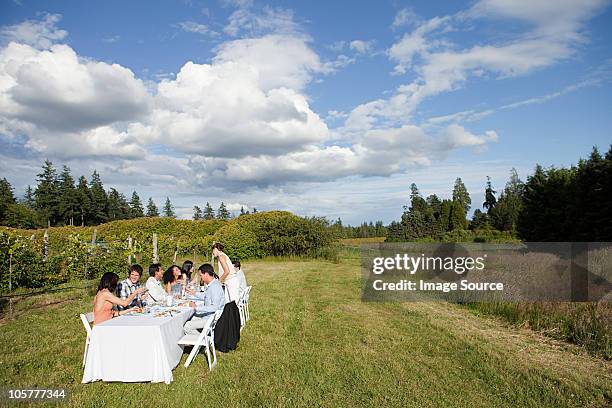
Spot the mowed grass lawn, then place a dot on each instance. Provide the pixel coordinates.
(312, 342)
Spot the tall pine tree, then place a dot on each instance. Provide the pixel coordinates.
(197, 213)
(209, 213)
(152, 210)
(68, 201)
(99, 199)
(222, 212)
(136, 208)
(47, 194)
(461, 194)
(169, 209)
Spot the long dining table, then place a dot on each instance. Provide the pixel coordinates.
(136, 348)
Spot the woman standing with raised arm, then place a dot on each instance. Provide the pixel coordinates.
(227, 273)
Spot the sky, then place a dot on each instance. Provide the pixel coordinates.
(320, 108)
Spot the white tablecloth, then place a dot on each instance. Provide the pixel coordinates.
(135, 348)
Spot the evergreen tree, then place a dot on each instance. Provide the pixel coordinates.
(242, 210)
(457, 216)
(445, 216)
(223, 213)
(99, 199)
(505, 214)
(169, 209)
(152, 210)
(435, 204)
(28, 198)
(21, 216)
(6, 198)
(209, 213)
(136, 208)
(69, 200)
(461, 194)
(480, 220)
(47, 194)
(490, 199)
(254, 210)
(197, 213)
(117, 206)
(417, 203)
(84, 201)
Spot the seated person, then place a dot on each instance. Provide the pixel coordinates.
(173, 280)
(129, 285)
(156, 291)
(105, 298)
(187, 270)
(241, 277)
(214, 299)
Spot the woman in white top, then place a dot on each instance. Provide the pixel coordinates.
(227, 273)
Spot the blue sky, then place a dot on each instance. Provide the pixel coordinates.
(321, 108)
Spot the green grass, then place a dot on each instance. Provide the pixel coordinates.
(311, 341)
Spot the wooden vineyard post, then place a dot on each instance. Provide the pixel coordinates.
(10, 285)
(155, 259)
(89, 249)
(130, 249)
(46, 246)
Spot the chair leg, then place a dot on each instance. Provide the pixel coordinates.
(192, 355)
(248, 313)
(214, 351)
(208, 357)
(85, 352)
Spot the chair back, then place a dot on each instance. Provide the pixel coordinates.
(86, 319)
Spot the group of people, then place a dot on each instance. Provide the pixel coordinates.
(115, 298)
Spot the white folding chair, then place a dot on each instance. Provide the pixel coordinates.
(87, 319)
(242, 308)
(206, 338)
(247, 296)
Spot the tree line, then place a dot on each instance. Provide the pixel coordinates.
(554, 204)
(58, 200)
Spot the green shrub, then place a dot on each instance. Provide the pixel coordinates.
(240, 243)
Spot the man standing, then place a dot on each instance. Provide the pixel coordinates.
(214, 299)
(156, 291)
(129, 285)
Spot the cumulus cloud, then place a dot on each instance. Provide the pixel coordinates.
(281, 60)
(379, 152)
(36, 33)
(222, 110)
(55, 89)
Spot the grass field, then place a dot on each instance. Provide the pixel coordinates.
(311, 341)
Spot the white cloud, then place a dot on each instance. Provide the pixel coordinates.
(36, 33)
(111, 39)
(456, 137)
(196, 28)
(56, 89)
(222, 110)
(281, 60)
(361, 46)
(248, 23)
(404, 17)
(415, 43)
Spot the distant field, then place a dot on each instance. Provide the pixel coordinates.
(313, 342)
(359, 241)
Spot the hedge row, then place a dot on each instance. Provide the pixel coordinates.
(274, 233)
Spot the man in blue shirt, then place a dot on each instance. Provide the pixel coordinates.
(213, 300)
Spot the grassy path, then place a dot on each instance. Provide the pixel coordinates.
(312, 342)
